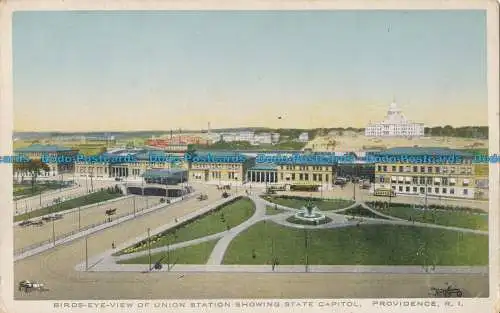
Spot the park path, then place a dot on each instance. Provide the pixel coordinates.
(220, 248)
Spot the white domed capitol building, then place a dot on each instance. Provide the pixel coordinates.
(394, 125)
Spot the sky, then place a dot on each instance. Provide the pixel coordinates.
(162, 70)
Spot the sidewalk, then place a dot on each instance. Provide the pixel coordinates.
(355, 269)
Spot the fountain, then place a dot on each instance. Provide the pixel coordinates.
(310, 214)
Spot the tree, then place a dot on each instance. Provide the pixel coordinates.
(35, 168)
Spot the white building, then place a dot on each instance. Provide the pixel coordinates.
(304, 137)
(275, 137)
(394, 125)
(263, 138)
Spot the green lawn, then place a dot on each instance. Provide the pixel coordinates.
(362, 212)
(270, 210)
(92, 198)
(364, 245)
(196, 254)
(448, 218)
(24, 191)
(231, 215)
(299, 202)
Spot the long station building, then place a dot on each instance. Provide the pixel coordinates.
(460, 179)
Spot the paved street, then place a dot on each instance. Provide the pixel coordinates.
(36, 202)
(25, 236)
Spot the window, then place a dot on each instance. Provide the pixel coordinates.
(437, 169)
(393, 168)
(429, 180)
(401, 188)
(466, 192)
(444, 190)
(422, 180)
(429, 169)
(407, 189)
(452, 170)
(436, 190)
(382, 179)
(306, 176)
(422, 190)
(320, 177)
(452, 191)
(314, 177)
(422, 169)
(445, 169)
(401, 169)
(384, 168)
(379, 168)
(415, 180)
(445, 181)
(293, 176)
(429, 189)
(301, 177)
(281, 176)
(394, 188)
(415, 189)
(326, 177)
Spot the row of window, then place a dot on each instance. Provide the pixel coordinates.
(436, 190)
(423, 180)
(216, 165)
(305, 176)
(305, 167)
(425, 169)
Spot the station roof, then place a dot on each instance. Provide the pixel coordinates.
(421, 151)
(158, 173)
(219, 157)
(264, 167)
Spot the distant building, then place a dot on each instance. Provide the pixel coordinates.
(275, 137)
(60, 160)
(394, 125)
(304, 137)
(263, 138)
(456, 179)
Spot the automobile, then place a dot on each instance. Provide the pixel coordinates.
(447, 292)
(225, 195)
(28, 286)
(26, 223)
(54, 217)
(118, 179)
(365, 184)
(340, 181)
(37, 223)
(355, 180)
(270, 191)
(202, 197)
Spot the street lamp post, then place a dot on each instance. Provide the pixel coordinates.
(86, 254)
(79, 218)
(149, 248)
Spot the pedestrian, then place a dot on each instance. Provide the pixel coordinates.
(113, 245)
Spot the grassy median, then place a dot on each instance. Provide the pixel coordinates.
(89, 199)
(226, 216)
(195, 254)
(463, 219)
